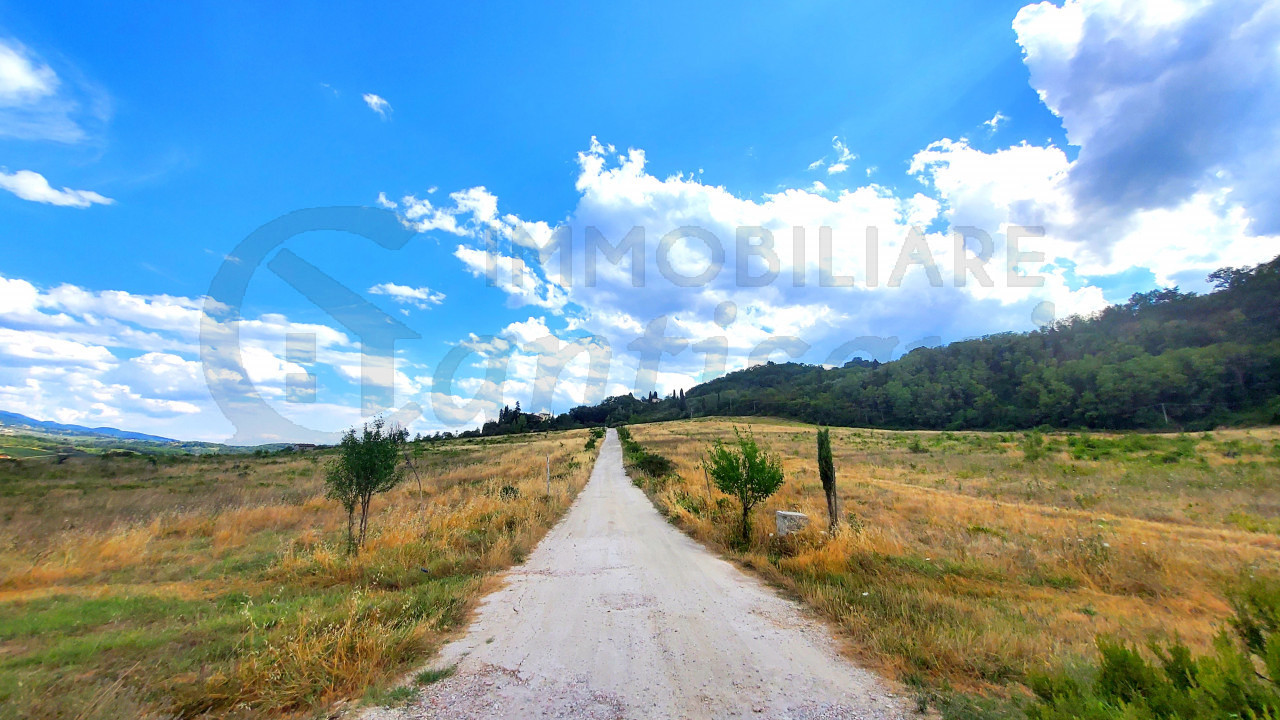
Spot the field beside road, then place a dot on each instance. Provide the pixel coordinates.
(968, 560)
(219, 585)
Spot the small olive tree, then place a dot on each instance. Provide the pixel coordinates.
(827, 471)
(367, 464)
(746, 472)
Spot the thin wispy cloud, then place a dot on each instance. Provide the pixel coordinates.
(378, 104)
(996, 121)
(36, 104)
(419, 297)
(31, 185)
(837, 163)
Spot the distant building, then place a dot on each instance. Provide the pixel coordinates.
(543, 416)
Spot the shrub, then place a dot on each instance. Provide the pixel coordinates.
(366, 464)
(1033, 449)
(649, 463)
(1223, 684)
(653, 464)
(747, 473)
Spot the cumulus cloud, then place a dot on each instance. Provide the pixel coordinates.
(471, 210)
(33, 186)
(995, 122)
(889, 304)
(134, 361)
(377, 104)
(1165, 101)
(522, 284)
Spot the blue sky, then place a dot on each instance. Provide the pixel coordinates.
(167, 135)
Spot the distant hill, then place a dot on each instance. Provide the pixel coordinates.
(23, 436)
(1163, 360)
(28, 423)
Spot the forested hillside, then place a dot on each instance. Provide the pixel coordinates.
(1164, 359)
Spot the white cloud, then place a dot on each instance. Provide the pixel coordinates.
(478, 202)
(476, 205)
(35, 103)
(32, 186)
(1165, 100)
(619, 196)
(377, 104)
(995, 122)
(514, 277)
(527, 331)
(843, 153)
(1173, 106)
(23, 80)
(134, 361)
(843, 157)
(419, 297)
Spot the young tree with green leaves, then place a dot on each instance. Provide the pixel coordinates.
(827, 471)
(746, 472)
(367, 463)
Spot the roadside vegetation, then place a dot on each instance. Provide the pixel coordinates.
(745, 472)
(977, 567)
(1239, 678)
(221, 586)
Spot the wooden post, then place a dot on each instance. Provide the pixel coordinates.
(548, 474)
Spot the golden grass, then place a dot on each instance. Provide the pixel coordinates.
(220, 587)
(959, 562)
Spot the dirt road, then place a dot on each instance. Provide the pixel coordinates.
(617, 614)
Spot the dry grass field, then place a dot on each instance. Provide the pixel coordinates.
(218, 586)
(967, 560)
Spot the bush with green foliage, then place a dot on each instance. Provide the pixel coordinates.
(1033, 449)
(746, 472)
(1240, 678)
(650, 463)
(366, 464)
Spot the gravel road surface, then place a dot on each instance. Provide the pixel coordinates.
(616, 614)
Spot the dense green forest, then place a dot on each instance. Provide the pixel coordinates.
(1163, 360)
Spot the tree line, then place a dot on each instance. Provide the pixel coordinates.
(1165, 359)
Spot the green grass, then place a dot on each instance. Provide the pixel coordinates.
(427, 677)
